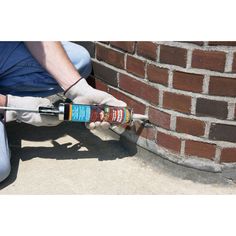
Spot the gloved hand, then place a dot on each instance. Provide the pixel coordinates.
(32, 118)
(83, 93)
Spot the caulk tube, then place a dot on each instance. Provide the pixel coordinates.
(93, 113)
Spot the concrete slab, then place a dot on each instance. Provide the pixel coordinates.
(69, 159)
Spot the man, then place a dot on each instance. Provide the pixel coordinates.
(32, 71)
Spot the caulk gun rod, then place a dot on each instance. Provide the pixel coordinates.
(18, 109)
(29, 110)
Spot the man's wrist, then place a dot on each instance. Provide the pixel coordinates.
(67, 89)
(69, 82)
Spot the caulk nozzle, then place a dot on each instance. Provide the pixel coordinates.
(139, 117)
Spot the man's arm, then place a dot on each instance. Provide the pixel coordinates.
(52, 56)
(2, 100)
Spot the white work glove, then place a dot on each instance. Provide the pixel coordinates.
(83, 93)
(32, 118)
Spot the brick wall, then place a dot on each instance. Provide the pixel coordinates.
(188, 90)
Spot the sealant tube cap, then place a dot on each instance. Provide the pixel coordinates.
(61, 109)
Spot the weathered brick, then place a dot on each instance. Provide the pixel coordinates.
(159, 118)
(173, 55)
(190, 126)
(200, 149)
(209, 60)
(110, 56)
(157, 74)
(187, 81)
(145, 132)
(212, 108)
(235, 112)
(199, 43)
(139, 89)
(223, 132)
(137, 107)
(104, 73)
(104, 42)
(101, 85)
(234, 63)
(135, 66)
(147, 50)
(177, 102)
(228, 155)
(222, 43)
(222, 86)
(127, 46)
(169, 142)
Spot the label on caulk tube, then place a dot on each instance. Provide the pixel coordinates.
(93, 113)
(80, 113)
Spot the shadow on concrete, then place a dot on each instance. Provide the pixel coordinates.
(88, 146)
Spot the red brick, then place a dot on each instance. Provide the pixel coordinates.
(177, 102)
(190, 126)
(145, 132)
(188, 82)
(173, 55)
(222, 43)
(169, 142)
(135, 66)
(222, 86)
(139, 89)
(159, 118)
(137, 106)
(200, 149)
(157, 74)
(110, 56)
(210, 60)
(147, 50)
(127, 46)
(228, 155)
(234, 63)
(100, 85)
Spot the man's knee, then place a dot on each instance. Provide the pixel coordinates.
(5, 169)
(80, 57)
(84, 64)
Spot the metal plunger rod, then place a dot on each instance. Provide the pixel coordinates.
(41, 110)
(18, 109)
